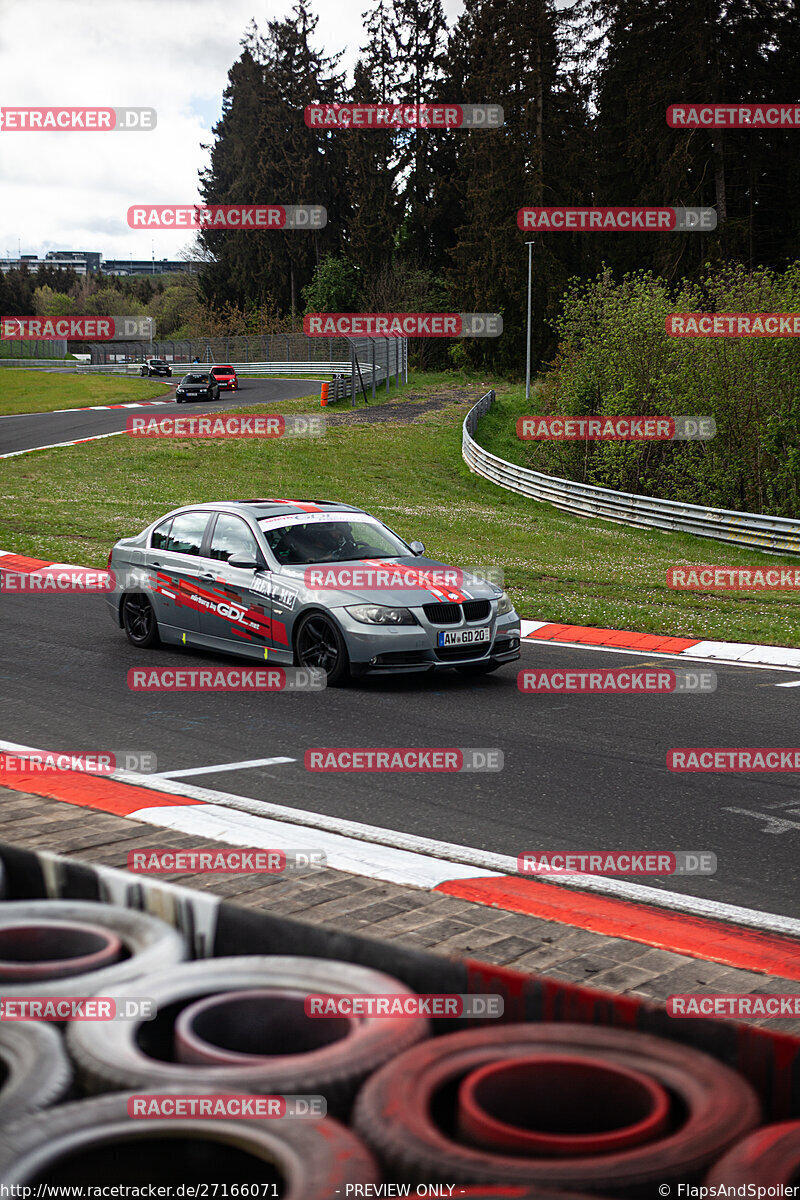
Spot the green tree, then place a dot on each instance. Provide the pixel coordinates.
(336, 286)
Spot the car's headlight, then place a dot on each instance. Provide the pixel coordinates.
(378, 614)
(504, 604)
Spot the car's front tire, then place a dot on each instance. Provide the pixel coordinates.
(319, 644)
(139, 621)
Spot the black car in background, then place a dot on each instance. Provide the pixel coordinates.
(198, 385)
(156, 366)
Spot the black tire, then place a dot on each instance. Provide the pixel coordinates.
(401, 1111)
(478, 668)
(115, 1055)
(150, 943)
(319, 643)
(37, 1070)
(139, 621)
(93, 1142)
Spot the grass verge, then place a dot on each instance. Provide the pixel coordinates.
(71, 504)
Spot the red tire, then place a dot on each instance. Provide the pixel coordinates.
(514, 1192)
(558, 1106)
(769, 1156)
(95, 1142)
(405, 1112)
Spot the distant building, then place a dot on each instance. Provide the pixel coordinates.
(85, 262)
(145, 266)
(82, 261)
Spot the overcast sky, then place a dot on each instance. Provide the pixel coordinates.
(72, 190)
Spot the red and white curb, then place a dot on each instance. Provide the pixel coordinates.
(746, 654)
(100, 407)
(88, 408)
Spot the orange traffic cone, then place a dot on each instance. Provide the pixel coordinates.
(323, 399)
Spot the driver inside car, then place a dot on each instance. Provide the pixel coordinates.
(313, 543)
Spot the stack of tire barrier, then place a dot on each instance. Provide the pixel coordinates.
(537, 1108)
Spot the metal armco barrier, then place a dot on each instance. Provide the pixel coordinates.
(761, 532)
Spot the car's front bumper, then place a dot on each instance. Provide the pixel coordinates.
(405, 649)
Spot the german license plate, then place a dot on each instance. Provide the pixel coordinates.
(465, 637)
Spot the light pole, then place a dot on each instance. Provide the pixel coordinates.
(528, 357)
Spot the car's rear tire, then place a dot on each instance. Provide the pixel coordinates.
(319, 643)
(139, 621)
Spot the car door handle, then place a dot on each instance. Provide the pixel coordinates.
(206, 575)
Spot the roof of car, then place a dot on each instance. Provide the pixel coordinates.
(223, 367)
(259, 508)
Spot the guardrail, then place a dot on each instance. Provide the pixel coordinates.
(263, 368)
(341, 366)
(776, 534)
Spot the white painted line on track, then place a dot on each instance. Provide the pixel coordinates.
(234, 766)
(792, 683)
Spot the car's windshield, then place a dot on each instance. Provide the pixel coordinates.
(222, 371)
(196, 379)
(300, 543)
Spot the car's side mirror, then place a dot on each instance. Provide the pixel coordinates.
(417, 548)
(244, 560)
